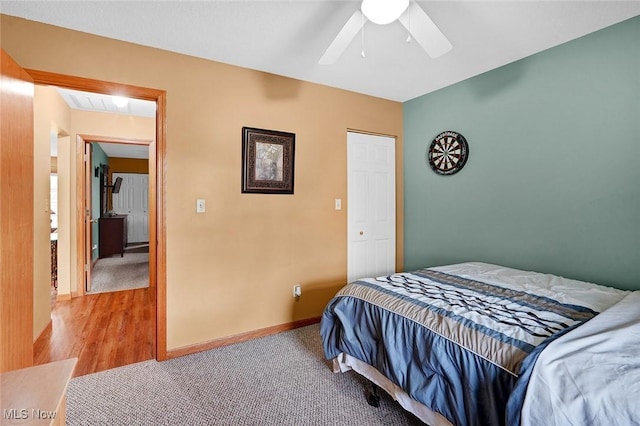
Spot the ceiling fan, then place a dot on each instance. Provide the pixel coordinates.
(383, 12)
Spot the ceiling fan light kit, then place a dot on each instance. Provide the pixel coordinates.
(383, 12)
(418, 24)
(120, 101)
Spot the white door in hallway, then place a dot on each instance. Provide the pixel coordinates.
(371, 205)
(133, 200)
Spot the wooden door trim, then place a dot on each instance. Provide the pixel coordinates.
(111, 139)
(157, 167)
(88, 228)
(80, 237)
(95, 86)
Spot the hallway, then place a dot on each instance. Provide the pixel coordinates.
(103, 331)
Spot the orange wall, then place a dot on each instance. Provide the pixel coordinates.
(231, 269)
(114, 125)
(128, 165)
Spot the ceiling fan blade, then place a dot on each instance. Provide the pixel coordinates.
(425, 31)
(344, 37)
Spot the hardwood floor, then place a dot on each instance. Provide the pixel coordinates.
(103, 331)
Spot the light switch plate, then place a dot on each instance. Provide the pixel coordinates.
(200, 206)
(338, 204)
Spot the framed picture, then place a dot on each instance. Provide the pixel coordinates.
(267, 161)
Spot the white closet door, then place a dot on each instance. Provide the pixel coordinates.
(133, 200)
(371, 205)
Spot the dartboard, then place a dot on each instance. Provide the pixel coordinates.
(448, 153)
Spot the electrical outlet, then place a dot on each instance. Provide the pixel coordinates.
(297, 291)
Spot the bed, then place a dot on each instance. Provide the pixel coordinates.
(460, 344)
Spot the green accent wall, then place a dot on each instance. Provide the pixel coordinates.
(552, 183)
(98, 157)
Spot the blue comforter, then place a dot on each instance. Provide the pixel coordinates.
(454, 344)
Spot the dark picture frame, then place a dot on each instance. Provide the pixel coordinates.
(267, 161)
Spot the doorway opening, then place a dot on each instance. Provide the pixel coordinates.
(116, 181)
(157, 262)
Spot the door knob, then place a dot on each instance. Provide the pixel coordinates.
(361, 233)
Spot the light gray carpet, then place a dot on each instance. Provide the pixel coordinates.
(276, 380)
(120, 273)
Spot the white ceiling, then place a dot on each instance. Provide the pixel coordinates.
(105, 103)
(288, 37)
(125, 150)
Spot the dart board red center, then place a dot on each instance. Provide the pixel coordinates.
(448, 153)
